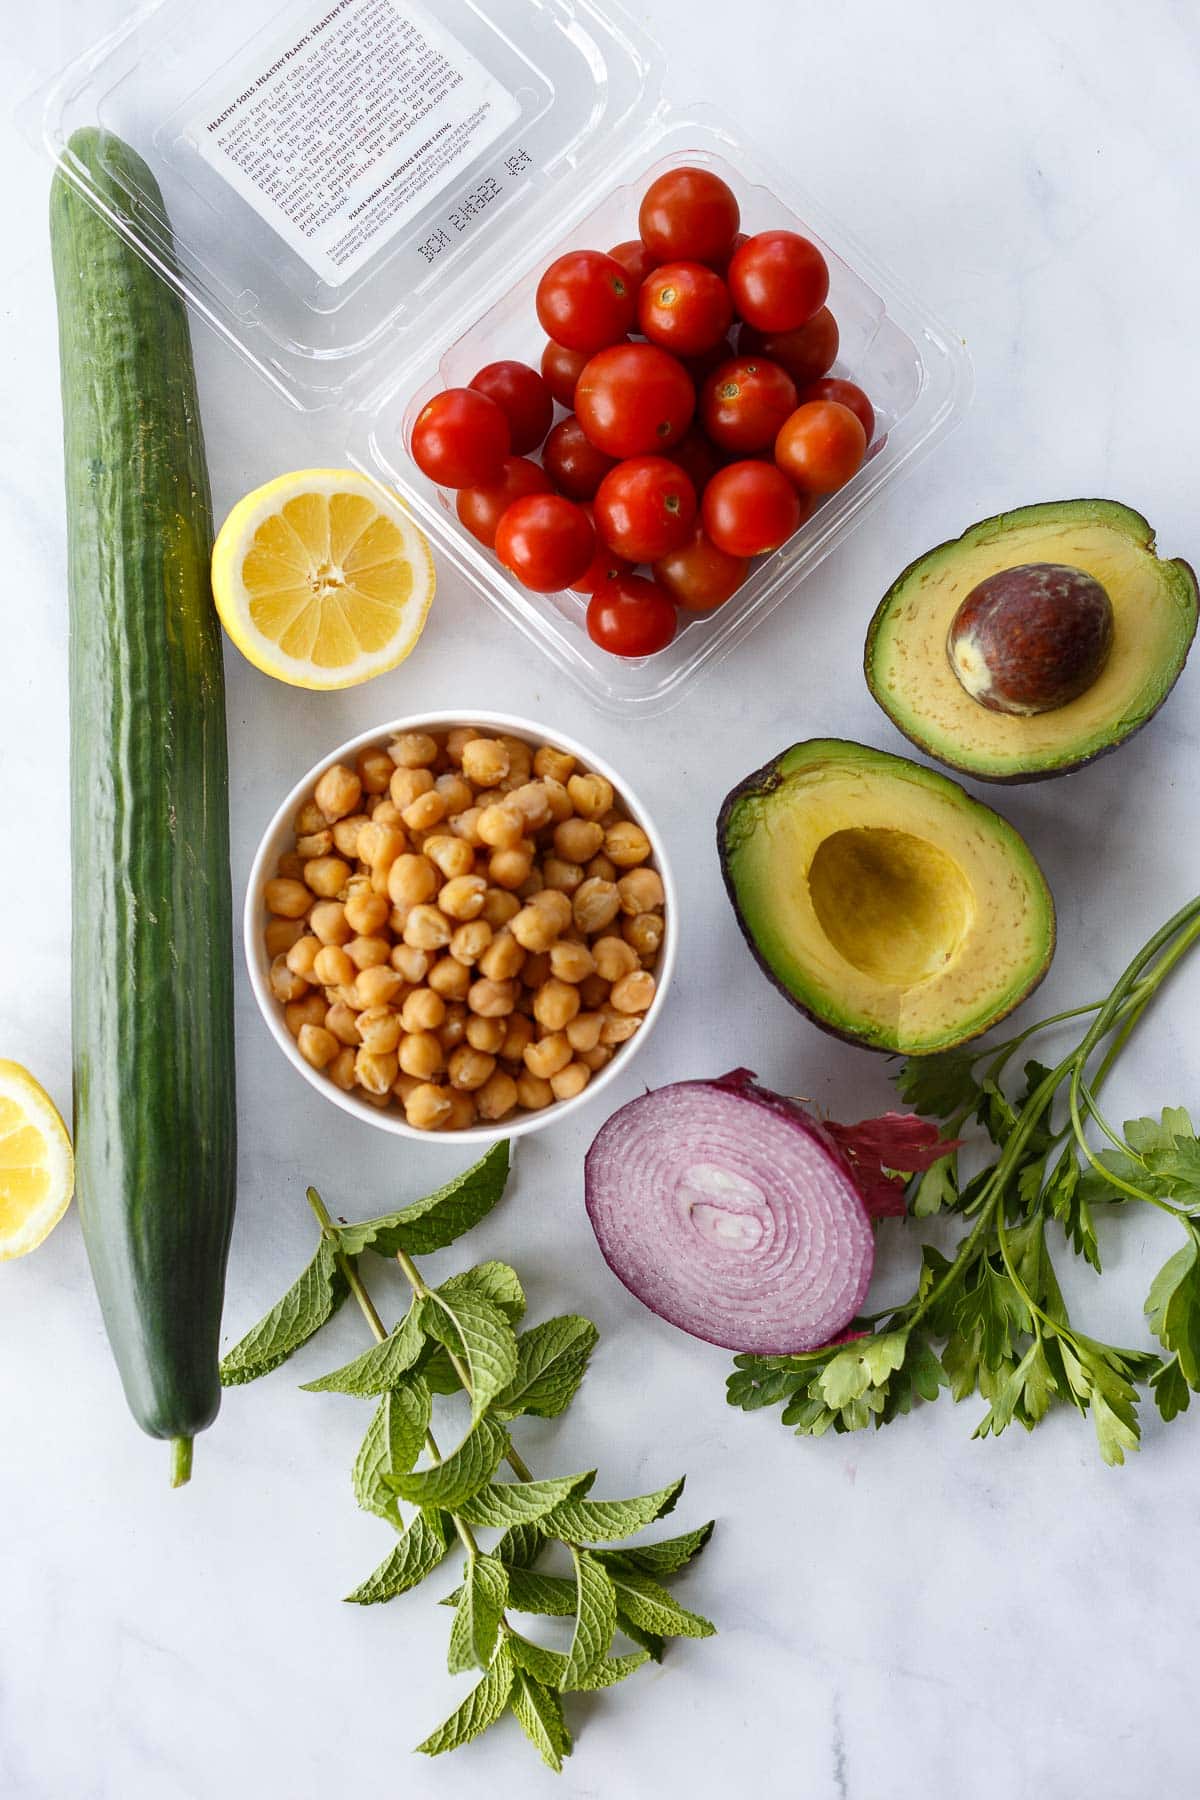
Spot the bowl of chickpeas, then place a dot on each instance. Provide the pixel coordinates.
(460, 928)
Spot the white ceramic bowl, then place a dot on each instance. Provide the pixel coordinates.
(279, 837)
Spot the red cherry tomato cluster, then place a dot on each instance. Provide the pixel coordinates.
(702, 425)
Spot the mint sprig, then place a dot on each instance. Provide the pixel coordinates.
(458, 1337)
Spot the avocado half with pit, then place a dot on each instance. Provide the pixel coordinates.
(881, 899)
(936, 692)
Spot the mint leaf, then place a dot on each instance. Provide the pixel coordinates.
(551, 1361)
(1173, 1308)
(481, 1708)
(612, 1669)
(941, 1084)
(531, 1592)
(381, 1367)
(539, 1714)
(452, 1481)
(477, 1616)
(583, 1521)
(595, 1617)
(520, 1546)
(654, 1647)
(646, 1603)
(502, 1504)
(419, 1551)
(479, 1332)
(663, 1558)
(546, 1665)
(494, 1281)
(391, 1446)
(435, 1221)
(310, 1301)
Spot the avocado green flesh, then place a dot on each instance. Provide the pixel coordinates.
(883, 900)
(1154, 620)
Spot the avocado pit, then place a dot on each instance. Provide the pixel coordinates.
(1030, 639)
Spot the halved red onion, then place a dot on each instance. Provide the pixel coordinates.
(733, 1213)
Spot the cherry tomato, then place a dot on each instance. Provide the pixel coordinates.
(645, 508)
(688, 215)
(634, 256)
(697, 457)
(522, 397)
(846, 394)
(745, 401)
(701, 367)
(778, 280)
(572, 461)
(749, 508)
(631, 616)
(805, 352)
(603, 567)
(461, 439)
(586, 300)
(633, 399)
(698, 575)
(721, 263)
(561, 369)
(684, 307)
(481, 508)
(821, 446)
(546, 541)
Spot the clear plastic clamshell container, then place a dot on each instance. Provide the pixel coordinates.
(362, 195)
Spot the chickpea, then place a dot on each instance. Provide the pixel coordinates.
(343, 1023)
(534, 928)
(556, 1003)
(626, 844)
(613, 957)
(398, 919)
(520, 756)
(641, 891)
(497, 1096)
(283, 981)
(518, 1032)
(289, 899)
(379, 845)
(485, 1034)
(412, 880)
(332, 967)
(423, 1010)
(595, 904)
(341, 1070)
(462, 1110)
(456, 791)
(368, 952)
(453, 1029)
(346, 833)
(428, 1107)
(457, 741)
(413, 750)
(591, 795)
(469, 1068)
(570, 1081)
(420, 1054)
(379, 1029)
(338, 792)
(403, 1086)
(600, 869)
(532, 884)
(509, 867)
(290, 866)
(533, 1092)
(426, 811)
(281, 934)
(554, 906)
(499, 907)
(327, 876)
(593, 991)
(618, 1027)
(463, 898)
(466, 825)
(595, 1059)
(310, 818)
(501, 826)
(316, 843)
(577, 840)
(427, 928)
(407, 785)
(329, 923)
(316, 1045)
(411, 963)
(367, 912)
(386, 812)
(377, 987)
(583, 1031)
(557, 799)
(302, 955)
(374, 771)
(556, 763)
(485, 761)
(309, 1011)
(376, 1070)
(450, 978)
(645, 934)
(503, 957)
(491, 999)
(633, 993)
(381, 1102)
(453, 856)
(533, 803)
(536, 969)
(548, 1055)
(565, 876)
(470, 941)
(571, 962)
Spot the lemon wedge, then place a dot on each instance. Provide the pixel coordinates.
(37, 1169)
(321, 579)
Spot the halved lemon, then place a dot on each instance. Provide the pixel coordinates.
(37, 1169)
(322, 579)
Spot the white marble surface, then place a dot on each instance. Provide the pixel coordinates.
(911, 1616)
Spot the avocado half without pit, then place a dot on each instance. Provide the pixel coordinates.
(881, 899)
(1038, 640)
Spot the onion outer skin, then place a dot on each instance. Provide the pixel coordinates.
(658, 1271)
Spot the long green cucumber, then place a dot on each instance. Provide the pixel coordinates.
(151, 934)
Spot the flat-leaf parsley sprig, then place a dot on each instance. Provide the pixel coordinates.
(460, 1337)
(991, 1319)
